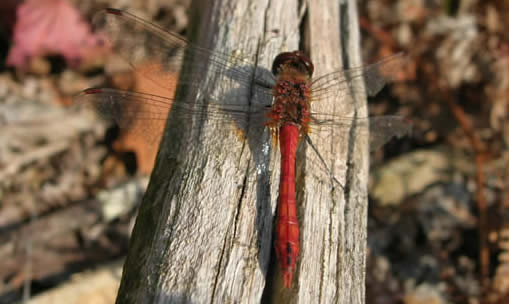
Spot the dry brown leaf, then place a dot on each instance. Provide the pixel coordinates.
(136, 139)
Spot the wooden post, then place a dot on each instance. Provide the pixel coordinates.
(334, 220)
(204, 230)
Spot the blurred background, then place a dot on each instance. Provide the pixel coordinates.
(70, 182)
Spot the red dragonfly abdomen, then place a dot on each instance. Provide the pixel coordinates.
(287, 227)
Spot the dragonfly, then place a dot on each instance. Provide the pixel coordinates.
(290, 90)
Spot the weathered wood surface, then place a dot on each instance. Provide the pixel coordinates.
(204, 230)
(335, 221)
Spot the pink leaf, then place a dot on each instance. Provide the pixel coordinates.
(51, 27)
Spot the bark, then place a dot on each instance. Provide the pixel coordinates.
(204, 233)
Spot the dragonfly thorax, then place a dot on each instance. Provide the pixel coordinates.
(291, 104)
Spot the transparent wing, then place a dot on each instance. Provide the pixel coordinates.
(128, 109)
(145, 114)
(344, 85)
(160, 51)
(379, 129)
(348, 87)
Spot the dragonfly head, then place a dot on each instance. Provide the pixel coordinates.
(296, 60)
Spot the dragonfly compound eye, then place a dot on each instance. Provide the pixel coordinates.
(296, 59)
(310, 68)
(280, 60)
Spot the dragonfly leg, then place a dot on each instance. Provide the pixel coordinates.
(324, 164)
